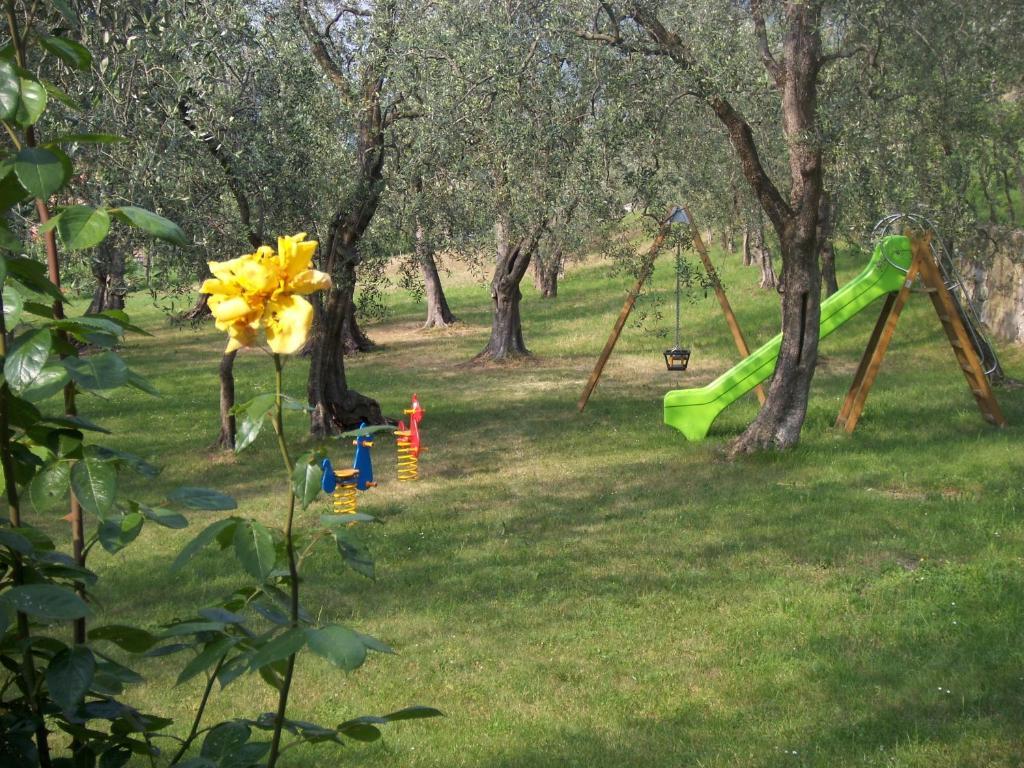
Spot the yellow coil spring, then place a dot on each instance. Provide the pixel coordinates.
(344, 496)
(408, 461)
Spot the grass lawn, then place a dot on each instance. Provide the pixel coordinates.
(592, 590)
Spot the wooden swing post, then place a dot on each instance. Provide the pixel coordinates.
(631, 297)
(723, 300)
(645, 272)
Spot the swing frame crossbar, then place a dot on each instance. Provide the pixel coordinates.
(923, 266)
(646, 269)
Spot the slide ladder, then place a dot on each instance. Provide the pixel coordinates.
(965, 305)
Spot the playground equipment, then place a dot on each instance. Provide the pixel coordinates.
(408, 443)
(677, 358)
(344, 490)
(896, 262)
(363, 461)
(344, 484)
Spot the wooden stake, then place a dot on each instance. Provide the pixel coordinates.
(723, 301)
(645, 272)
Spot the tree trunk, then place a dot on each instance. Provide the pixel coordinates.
(545, 273)
(795, 77)
(201, 309)
(506, 341)
(108, 268)
(335, 407)
(748, 257)
(226, 438)
(826, 252)
(439, 315)
(782, 416)
(762, 255)
(352, 337)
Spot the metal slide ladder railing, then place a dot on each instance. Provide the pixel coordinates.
(968, 311)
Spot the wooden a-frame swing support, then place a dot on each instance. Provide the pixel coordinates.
(922, 265)
(645, 272)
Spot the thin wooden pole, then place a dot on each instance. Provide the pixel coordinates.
(645, 272)
(723, 300)
(948, 310)
(871, 362)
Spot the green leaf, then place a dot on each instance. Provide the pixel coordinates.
(306, 480)
(13, 306)
(94, 483)
(9, 243)
(413, 713)
(49, 382)
(16, 543)
(361, 729)
(205, 537)
(32, 103)
(30, 273)
(152, 223)
(353, 552)
(281, 647)
(81, 227)
(50, 486)
(224, 741)
(71, 53)
(117, 757)
(11, 192)
(131, 639)
(9, 90)
(117, 533)
(130, 460)
(248, 430)
(69, 676)
(141, 383)
(201, 498)
(373, 644)
(120, 317)
(103, 371)
(56, 93)
(26, 359)
(206, 658)
(253, 415)
(254, 548)
(42, 171)
(165, 517)
(339, 645)
(47, 602)
(367, 431)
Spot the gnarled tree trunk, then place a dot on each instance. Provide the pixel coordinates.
(226, 439)
(762, 256)
(108, 268)
(826, 251)
(546, 268)
(439, 315)
(506, 341)
(335, 407)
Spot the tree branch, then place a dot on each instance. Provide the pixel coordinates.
(253, 233)
(321, 52)
(775, 68)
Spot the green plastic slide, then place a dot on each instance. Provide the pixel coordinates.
(692, 411)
